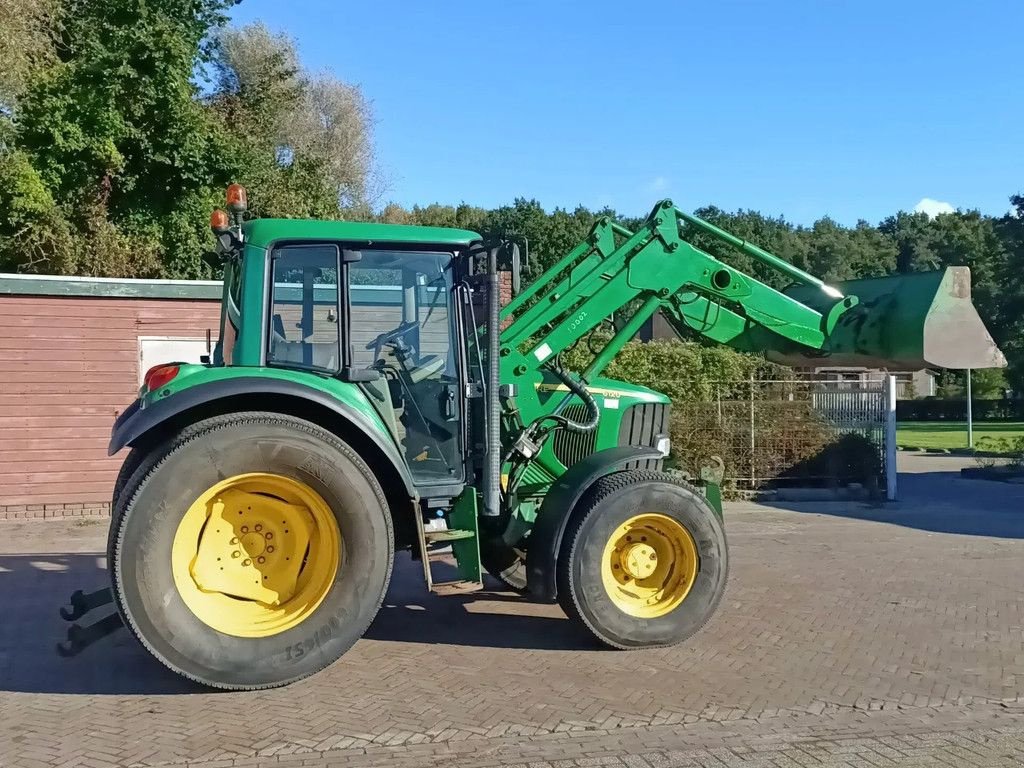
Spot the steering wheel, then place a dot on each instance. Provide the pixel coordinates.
(393, 338)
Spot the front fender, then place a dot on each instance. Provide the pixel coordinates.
(545, 541)
(140, 419)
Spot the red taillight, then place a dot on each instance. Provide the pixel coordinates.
(159, 376)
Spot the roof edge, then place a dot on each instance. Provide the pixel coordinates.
(108, 287)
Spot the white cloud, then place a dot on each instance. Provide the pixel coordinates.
(657, 185)
(933, 207)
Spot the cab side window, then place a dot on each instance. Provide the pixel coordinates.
(304, 330)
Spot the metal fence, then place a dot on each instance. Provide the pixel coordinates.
(771, 433)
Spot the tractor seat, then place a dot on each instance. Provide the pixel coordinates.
(430, 365)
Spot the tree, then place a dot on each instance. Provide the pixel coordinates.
(837, 253)
(1010, 298)
(304, 139)
(115, 137)
(27, 45)
(988, 384)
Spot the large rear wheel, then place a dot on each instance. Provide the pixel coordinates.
(252, 551)
(644, 562)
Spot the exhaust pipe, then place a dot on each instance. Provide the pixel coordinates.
(492, 457)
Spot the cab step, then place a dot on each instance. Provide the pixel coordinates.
(459, 542)
(450, 588)
(454, 534)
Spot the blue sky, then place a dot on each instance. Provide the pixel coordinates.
(799, 107)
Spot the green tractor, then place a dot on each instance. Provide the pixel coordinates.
(369, 393)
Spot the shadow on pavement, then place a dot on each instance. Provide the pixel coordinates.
(33, 587)
(486, 619)
(937, 501)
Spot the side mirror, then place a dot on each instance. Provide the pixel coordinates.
(214, 260)
(509, 260)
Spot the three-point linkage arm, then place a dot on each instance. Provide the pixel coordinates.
(614, 269)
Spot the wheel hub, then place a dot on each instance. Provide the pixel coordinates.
(235, 556)
(255, 544)
(255, 554)
(639, 560)
(650, 564)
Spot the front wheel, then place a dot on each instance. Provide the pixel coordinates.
(252, 551)
(644, 562)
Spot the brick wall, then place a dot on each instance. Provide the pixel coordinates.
(68, 366)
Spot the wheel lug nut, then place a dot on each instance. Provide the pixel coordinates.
(653, 556)
(270, 549)
(245, 529)
(259, 527)
(269, 535)
(247, 561)
(261, 559)
(234, 539)
(236, 553)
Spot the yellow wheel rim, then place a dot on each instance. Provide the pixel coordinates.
(256, 554)
(649, 565)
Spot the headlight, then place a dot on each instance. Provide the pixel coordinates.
(663, 444)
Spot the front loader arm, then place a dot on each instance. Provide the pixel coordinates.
(615, 269)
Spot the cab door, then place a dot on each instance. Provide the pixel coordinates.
(401, 322)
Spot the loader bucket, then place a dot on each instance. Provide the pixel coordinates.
(903, 322)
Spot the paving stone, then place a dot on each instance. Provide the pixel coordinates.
(849, 637)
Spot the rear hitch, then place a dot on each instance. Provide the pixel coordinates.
(81, 603)
(80, 638)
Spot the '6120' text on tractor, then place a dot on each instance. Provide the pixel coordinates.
(370, 393)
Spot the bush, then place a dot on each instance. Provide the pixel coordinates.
(1011, 447)
(683, 370)
(792, 444)
(711, 389)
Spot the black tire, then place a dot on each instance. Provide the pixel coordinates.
(610, 502)
(506, 564)
(131, 463)
(166, 483)
(145, 457)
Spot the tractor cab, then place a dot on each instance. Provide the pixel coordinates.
(373, 305)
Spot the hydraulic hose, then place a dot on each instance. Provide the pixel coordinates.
(580, 390)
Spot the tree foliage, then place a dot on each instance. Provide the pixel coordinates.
(304, 139)
(115, 156)
(28, 44)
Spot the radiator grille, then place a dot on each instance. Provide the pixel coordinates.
(640, 425)
(570, 447)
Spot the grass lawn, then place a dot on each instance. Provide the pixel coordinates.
(995, 436)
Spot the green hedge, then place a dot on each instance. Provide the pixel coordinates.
(683, 370)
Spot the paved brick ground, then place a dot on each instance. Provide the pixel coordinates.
(851, 636)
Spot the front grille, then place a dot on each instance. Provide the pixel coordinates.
(570, 447)
(641, 424)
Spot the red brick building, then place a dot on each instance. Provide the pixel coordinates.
(72, 354)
